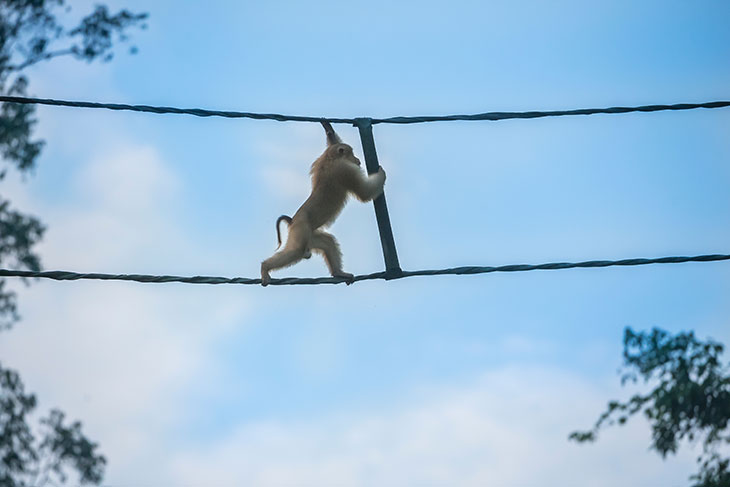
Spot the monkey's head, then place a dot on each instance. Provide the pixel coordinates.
(336, 149)
(343, 152)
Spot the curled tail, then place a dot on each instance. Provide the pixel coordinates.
(285, 218)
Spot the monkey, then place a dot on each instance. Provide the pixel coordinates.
(335, 175)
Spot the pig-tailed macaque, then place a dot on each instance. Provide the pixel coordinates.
(335, 174)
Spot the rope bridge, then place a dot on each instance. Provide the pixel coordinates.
(364, 124)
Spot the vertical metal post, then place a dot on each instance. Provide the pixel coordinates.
(392, 267)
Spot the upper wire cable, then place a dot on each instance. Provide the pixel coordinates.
(490, 116)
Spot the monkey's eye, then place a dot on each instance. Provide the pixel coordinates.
(341, 150)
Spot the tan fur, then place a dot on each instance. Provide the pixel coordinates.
(335, 175)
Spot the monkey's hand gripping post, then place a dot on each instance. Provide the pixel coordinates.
(392, 266)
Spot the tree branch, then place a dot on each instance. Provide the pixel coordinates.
(45, 57)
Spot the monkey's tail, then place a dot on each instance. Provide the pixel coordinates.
(285, 218)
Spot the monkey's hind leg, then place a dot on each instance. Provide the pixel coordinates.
(297, 248)
(326, 244)
(281, 259)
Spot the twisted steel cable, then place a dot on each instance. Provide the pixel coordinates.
(74, 276)
(490, 116)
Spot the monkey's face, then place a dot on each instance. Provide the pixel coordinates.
(344, 151)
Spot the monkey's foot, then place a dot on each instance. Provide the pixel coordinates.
(349, 278)
(265, 279)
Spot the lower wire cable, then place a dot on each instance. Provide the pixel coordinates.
(75, 276)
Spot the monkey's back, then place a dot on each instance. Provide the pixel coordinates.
(328, 195)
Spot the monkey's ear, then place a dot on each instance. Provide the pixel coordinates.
(332, 137)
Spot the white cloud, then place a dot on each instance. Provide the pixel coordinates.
(509, 428)
(128, 179)
(121, 213)
(118, 356)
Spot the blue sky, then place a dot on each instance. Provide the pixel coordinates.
(473, 380)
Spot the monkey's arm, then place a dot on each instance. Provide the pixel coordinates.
(365, 188)
(332, 137)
